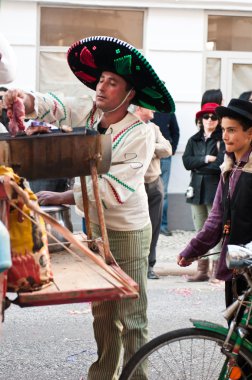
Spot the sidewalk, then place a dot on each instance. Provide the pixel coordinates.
(168, 248)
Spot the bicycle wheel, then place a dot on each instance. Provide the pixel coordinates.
(186, 354)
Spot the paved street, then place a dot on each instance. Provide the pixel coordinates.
(57, 342)
(167, 250)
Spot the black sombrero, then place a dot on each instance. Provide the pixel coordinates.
(89, 57)
(237, 108)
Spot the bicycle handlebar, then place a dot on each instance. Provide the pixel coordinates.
(238, 256)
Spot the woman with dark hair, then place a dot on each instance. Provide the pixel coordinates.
(212, 96)
(203, 155)
(247, 95)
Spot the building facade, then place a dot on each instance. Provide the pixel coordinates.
(192, 45)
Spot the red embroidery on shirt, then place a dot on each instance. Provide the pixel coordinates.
(117, 197)
(55, 107)
(123, 130)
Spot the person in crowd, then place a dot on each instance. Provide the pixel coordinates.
(247, 95)
(7, 75)
(121, 76)
(169, 128)
(3, 112)
(212, 96)
(154, 185)
(230, 219)
(204, 153)
(8, 61)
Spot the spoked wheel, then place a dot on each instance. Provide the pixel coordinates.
(186, 354)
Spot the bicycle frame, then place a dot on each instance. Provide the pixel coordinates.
(210, 326)
(237, 334)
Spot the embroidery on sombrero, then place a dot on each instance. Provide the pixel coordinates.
(89, 57)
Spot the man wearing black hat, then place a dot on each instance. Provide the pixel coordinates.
(231, 216)
(120, 75)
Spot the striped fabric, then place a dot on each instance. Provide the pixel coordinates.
(122, 324)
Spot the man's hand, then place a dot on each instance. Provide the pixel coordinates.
(11, 96)
(55, 198)
(181, 261)
(48, 198)
(211, 158)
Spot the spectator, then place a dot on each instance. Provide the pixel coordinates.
(230, 219)
(247, 95)
(154, 185)
(7, 61)
(203, 155)
(3, 112)
(212, 96)
(7, 75)
(170, 130)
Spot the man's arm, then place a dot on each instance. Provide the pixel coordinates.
(209, 235)
(162, 146)
(51, 108)
(174, 131)
(55, 198)
(13, 94)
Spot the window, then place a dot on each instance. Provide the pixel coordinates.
(230, 33)
(60, 27)
(241, 78)
(63, 26)
(213, 73)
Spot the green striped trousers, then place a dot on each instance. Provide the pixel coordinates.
(122, 324)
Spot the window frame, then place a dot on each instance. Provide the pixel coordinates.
(63, 49)
(227, 58)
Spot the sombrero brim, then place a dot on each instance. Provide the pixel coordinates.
(89, 57)
(233, 112)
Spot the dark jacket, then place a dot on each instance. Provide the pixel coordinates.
(204, 176)
(169, 128)
(237, 211)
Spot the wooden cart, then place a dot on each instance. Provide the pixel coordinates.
(77, 277)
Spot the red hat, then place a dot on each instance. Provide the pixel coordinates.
(207, 108)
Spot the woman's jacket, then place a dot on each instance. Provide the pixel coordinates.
(204, 176)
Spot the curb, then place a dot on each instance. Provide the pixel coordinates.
(175, 270)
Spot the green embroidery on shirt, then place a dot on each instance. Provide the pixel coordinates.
(120, 138)
(60, 102)
(120, 182)
(89, 118)
(44, 115)
(104, 205)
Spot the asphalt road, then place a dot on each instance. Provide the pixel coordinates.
(57, 342)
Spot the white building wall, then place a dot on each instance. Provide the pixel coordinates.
(174, 37)
(175, 44)
(18, 22)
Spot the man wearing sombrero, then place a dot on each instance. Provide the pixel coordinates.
(121, 76)
(230, 219)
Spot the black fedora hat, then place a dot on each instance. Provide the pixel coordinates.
(89, 57)
(236, 108)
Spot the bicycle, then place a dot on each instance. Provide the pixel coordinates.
(207, 350)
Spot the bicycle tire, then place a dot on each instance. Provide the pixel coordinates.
(199, 357)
